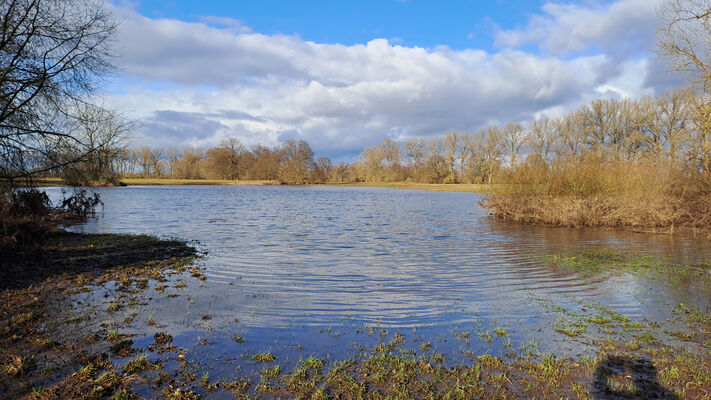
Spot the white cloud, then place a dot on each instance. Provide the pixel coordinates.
(623, 26)
(224, 81)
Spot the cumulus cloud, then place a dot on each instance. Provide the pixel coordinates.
(196, 83)
(618, 28)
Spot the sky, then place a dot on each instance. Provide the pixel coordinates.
(346, 75)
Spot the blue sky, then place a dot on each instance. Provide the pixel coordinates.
(458, 24)
(346, 75)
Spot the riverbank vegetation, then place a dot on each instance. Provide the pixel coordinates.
(103, 356)
(640, 164)
(39, 343)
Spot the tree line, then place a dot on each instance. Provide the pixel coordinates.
(55, 52)
(666, 129)
(292, 162)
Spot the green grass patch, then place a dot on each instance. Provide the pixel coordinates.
(139, 364)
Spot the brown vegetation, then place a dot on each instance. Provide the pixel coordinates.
(291, 163)
(628, 358)
(617, 163)
(35, 278)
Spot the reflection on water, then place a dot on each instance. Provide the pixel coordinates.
(287, 261)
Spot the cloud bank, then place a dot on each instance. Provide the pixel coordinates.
(196, 83)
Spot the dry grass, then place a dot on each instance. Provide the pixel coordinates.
(591, 192)
(440, 187)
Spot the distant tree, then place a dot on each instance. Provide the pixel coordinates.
(489, 149)
(513, 138)
(390, 151)
(341, 171)
(322, 169)
(172, 155)
(465, 151)
(568, 134)
(674, 110)
(437, 169)
(190, 164)
(371, 161)
(265, 163)
(541, 139)
(297, 162)
(149, 160)
(102, 138)
(453, 146)
(226, 161)
(415, 152)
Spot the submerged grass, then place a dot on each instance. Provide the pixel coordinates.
(633, 358)
(587, 262)
(34, 279)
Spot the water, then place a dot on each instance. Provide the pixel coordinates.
(308, 270)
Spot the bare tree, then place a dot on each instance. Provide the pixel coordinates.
(149, 160)
(322, 169)
(226, 161)
(674, 111)
(372, 163)
(102, 136)
(341, 171)
(172, 155)
(453, 145)
(415, 151)
(298, 162)
(541, 139)
(391, 152)
(514, 137)
(465, 150)
(488, 150)
(568, 133)
(684, 37)
(52, 54)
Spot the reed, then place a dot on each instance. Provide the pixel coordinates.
(591, 191)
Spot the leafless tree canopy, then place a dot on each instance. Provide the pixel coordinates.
(52, 55)
(685, 37)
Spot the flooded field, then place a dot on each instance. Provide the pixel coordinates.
(299, 272)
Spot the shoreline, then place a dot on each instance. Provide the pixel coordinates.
(505, 208)
(438, 187)
(35, 364)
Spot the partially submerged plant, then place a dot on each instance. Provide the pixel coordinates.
(20, 365)
(139, 364)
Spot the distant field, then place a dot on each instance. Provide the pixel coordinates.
(166, 181)
(440, 187)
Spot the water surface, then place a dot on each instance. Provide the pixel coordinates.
(313, 270)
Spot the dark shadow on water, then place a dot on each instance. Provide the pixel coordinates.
(639, 372)
(66, 253)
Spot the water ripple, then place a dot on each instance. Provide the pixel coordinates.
(313, 256)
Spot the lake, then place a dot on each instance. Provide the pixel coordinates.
(326, 271)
